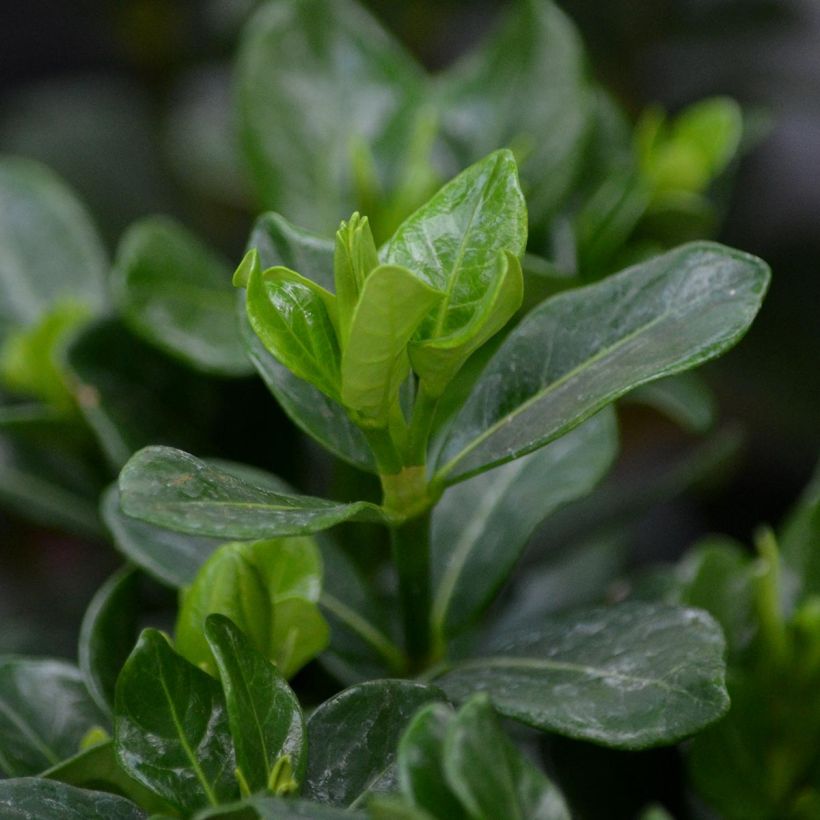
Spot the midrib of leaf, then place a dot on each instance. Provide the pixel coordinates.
(183, 738)
(509, 418)
(469, 537)
(369, 633)
(257, 720)
(365, 792)
(27, 731)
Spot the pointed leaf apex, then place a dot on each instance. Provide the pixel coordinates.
(248, 266)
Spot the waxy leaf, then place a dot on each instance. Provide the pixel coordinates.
(263, 713)
(629, 676)
(480, 527)
(36, 274)
(45, 711)
(107, 635)
(353, 738)
(455, 242)
(490, 776)
(176, 294)
(173, 489)
(280, 243)
(318, 79)
(170, 727)
(524, 88)
(581, 350)
(33, 798)
(391, 305)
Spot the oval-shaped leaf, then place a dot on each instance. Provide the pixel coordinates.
(33, 798)
(176, 490)
(581, 350)
(263, 712)
(51, 250)
(480, 527)
(176, 294)
(630, 676)
(353, 739)
(45, 711)
(170, 727)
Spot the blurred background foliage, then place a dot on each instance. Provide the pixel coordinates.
(131, 103)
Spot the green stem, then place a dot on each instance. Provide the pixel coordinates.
(381, 443)
(411, 553)
(424, 411)
(772, 626)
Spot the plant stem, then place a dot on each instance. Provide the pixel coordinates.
(424, 411)
(381, 443)
(772, 626)
(411, 553)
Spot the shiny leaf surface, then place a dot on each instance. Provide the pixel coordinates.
(33, 798)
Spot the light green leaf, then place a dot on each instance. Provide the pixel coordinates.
(274, 808)
(480, 527)
(33, 798)
(354, 257)
(392, 303)
(173, 489)
(630, 676)
(170, 727)
(582, 349)
(176, 294)
(263, 712)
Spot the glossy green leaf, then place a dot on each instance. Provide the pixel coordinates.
(263, 712)
(580, 350)
(96, 767)
(480, 527)
(629, 676)
(45, 711)
(525, 88)
(421, 763)
(686, 399)
(33, 798)
(108, 633)
(391, 305)
(317, 79)
(272, 808)
(175, 490)
(171, 729)
(455, 242)
(296, 320)
(353, 738)
(280, 243)
(176, 294)
(35, 274)
(490, 776)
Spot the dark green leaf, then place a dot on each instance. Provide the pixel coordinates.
(524, 88)
(272, 808)
(318, 79)
(170, 727)
(800, 540)
(176, 293)
(490, 776)
(353, 738)
(396, 808)
(629, 676)
(108, 633)
(582, 349)
(173, 489)
(481, 526)
(35, 274)
(45, 711)
(32, 798)
(264, 714)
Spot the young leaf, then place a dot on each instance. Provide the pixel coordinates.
(45, 711)
(170, 728)
(354, 257)
(455, 242)
(392, 303)
(173, 489)
(480, 527)
(353, 739)
(107, 635)
(264, 714)
(581, 350)
(175, 293)
(36, 274)
(490, 776)
(280, 243)
(33, 798)
(489, 101)
(316, 78)
(630, 676)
